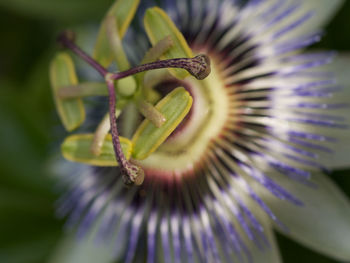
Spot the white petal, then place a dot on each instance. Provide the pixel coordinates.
(70, 250)
(340, 159)
(323, 223)
(340, 66)
(268, 255)
(324, 11)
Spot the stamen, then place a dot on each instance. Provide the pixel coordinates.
(103, 129)
(83, 90)
(101, 133)
(151, 113)
(115, 43)
(158, 50)
(125, 87)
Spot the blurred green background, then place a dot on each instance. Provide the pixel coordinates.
(30, 131)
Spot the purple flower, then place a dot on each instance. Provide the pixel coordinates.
(251, 156)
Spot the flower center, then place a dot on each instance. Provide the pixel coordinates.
(189, 145)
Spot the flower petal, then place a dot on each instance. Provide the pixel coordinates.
(340, 66)
(270, 254)
(322, 223)
(324, 11)
(340, 159)
(71, 250)
(316, 13)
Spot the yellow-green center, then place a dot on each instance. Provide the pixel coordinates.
(181, 152)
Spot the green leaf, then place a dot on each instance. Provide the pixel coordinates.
(123, 11)
(158, 26)
(148, 137)
(77, 148)
(62, 73)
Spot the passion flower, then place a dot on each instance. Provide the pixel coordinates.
(238, 123)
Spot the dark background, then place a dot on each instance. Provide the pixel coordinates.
(30, 131)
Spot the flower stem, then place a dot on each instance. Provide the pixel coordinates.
(132, 174)
(198, 66)
(114, 131)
